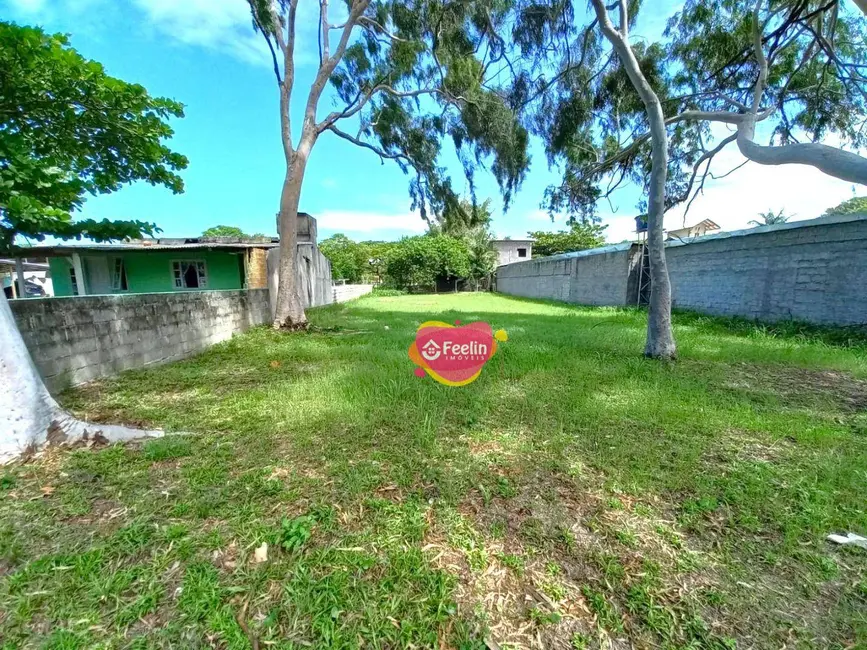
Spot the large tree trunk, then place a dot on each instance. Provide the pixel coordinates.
(289, 313)
(29, 417)
(660, 339)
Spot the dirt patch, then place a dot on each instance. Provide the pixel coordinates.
(800, 386)
(565, 564)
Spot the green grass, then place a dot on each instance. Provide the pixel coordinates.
(575, 495)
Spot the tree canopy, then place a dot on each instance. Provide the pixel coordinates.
(67, 130)
(424, 261)
(224, 231)
(780, 76)
(579, 237)
(851, 206)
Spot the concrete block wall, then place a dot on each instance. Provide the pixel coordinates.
(75, 340)
(814, 271)
(345, 292)
(601, 276)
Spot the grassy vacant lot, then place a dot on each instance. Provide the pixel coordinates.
(575, 496)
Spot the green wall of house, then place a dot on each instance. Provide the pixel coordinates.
(151, 271)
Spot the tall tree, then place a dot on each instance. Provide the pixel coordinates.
(580, 236)
(412, 73)
(796, 66)
(95, 134)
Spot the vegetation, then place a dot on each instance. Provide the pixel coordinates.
(427, 261)
(228, 231)
(574, 494)
(356, 261)
(413, 75)
(770, 218)
(580, 236)
(96, 134)
(66, 130)
(851, 206)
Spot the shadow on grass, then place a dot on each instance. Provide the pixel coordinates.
(331, 433)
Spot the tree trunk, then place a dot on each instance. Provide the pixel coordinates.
(29, 417)
(660, 339)
(289, 313)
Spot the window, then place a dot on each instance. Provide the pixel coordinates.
(73, 281)
(190, 274)
(522, 252)
(118, 275)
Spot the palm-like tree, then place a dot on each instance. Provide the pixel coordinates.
(770, 218)
(483, 258)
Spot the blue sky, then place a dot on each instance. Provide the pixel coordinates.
(204, 54)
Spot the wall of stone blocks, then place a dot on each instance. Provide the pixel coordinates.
(597, 277)
(75, 340)
(814, 271)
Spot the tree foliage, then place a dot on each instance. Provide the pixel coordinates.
(579, 237)
(421, 262)
(224, 231)
(795, 68)
(356, 261)
(854, 205)
(68, 130)
(770, 218)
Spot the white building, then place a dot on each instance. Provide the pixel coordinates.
(513, 250)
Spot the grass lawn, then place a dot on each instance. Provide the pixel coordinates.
(575, 496)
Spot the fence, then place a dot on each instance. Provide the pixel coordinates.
(814, 271)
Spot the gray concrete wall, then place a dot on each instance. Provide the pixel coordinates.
(346, 292)
(77, 339)
(313, 273)
(814, 271)
(597, 277)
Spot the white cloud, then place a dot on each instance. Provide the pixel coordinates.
(212, 24)
(802, 192)
(369, 225)
(28, 6)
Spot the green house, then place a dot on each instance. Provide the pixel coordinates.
(158, 266)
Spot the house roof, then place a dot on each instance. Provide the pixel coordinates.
(162, 243)
(6, 263)
(504, 240)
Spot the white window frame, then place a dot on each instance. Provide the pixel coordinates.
(73, 280)
(116, 275)
(201, 268)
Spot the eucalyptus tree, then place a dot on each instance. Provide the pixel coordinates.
(644, 112)
(96, 134)
(412, 73)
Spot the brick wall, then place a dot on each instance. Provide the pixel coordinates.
(814, 271)
(74, 340)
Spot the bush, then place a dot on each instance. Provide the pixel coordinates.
(386, 292)
(421, 262)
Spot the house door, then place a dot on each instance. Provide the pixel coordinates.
(98, 276)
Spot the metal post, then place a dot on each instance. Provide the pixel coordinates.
(19, 271)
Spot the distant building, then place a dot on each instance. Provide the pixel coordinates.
(165, 264)
(510, 251)
(700, 229)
